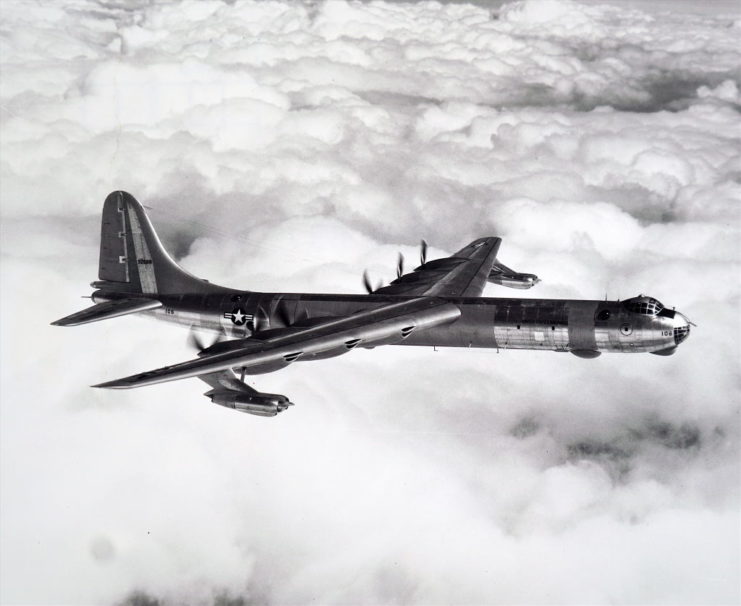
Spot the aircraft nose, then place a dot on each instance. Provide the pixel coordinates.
(681, 328)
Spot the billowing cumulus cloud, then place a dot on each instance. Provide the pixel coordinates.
(287, 146)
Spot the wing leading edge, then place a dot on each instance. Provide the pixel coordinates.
(380, 326)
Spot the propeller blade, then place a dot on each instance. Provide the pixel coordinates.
(400, 266)
(260, 322)
(283, 315)
(367, 282)
(194, 340)
(301, 316)
(423, 252)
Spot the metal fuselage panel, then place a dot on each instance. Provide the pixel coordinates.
(504, 323)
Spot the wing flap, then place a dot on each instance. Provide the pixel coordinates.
(383, 325)
(109, 309)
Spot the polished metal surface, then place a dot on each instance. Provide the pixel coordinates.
(436, 304)
(504, 323)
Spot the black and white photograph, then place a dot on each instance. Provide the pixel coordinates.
(370, 302)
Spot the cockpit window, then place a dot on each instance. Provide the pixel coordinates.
(646, 306)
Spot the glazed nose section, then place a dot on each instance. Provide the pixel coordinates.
(681, 328)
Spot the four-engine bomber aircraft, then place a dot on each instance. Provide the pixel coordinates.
(439, 303)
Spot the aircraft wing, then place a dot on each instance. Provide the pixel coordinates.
(463, 274)
(380, 326)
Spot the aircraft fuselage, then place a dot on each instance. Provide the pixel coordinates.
(583, 327)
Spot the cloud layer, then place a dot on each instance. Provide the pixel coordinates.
(286, 146)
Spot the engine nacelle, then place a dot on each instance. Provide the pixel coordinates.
(514, 280)
(260, 404)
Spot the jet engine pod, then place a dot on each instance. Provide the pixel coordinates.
(513, 279)
(260, 404)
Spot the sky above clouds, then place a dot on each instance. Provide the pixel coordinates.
(287, 146)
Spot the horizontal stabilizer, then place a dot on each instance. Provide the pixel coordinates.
(109, 309)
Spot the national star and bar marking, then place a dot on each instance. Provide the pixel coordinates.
(238, 316)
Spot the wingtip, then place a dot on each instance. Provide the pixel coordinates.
(110, 385)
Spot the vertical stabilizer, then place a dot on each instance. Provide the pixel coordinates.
(132, 258)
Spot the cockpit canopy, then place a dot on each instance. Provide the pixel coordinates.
(646, 306)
